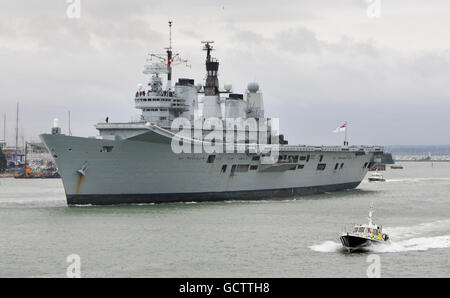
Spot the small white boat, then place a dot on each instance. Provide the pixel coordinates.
(376, 177)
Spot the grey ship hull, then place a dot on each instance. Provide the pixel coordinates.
(134, 198)
(143, 169)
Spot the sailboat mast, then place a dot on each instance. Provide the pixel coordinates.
(25, 156)
(17, 130)
(4, 128)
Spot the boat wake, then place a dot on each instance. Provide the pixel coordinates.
(414, 180)
(413, 244)
(435, 227)
(403, 239)
(328, 246)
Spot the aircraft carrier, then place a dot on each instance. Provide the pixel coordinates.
(141, 161)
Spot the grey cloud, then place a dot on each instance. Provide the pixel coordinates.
(372, 87)
(298, 40)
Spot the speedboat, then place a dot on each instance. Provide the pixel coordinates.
(363, 235)
(376, 177)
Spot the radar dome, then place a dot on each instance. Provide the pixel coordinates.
(140, 86)
(253, 87)
(228, 87)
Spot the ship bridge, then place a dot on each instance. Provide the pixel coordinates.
(163, 106)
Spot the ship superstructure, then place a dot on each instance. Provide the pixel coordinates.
(135, 162)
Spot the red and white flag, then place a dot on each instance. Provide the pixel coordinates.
(341, 128)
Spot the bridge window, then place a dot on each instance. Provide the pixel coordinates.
(282, 158)
(299, 167)
(253, 168)
(223, 170)
(336, 166)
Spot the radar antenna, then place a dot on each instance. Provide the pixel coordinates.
(170, 35)
(164, 62)
(208, 48)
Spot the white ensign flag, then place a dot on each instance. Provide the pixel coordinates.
(340, 128)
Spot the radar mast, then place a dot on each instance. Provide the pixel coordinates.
(212, 67)
(169, 58)
(165, 62)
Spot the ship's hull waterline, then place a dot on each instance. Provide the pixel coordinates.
(112, 199)
(144, 169)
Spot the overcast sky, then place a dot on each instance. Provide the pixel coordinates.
(319, 63)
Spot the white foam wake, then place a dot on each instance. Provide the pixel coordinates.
(415, 180)
(400, 233)
(327, 246)
(414, 244)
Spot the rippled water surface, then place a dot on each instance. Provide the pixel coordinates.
(272, 238)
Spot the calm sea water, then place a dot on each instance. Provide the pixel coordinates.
(272, 238)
